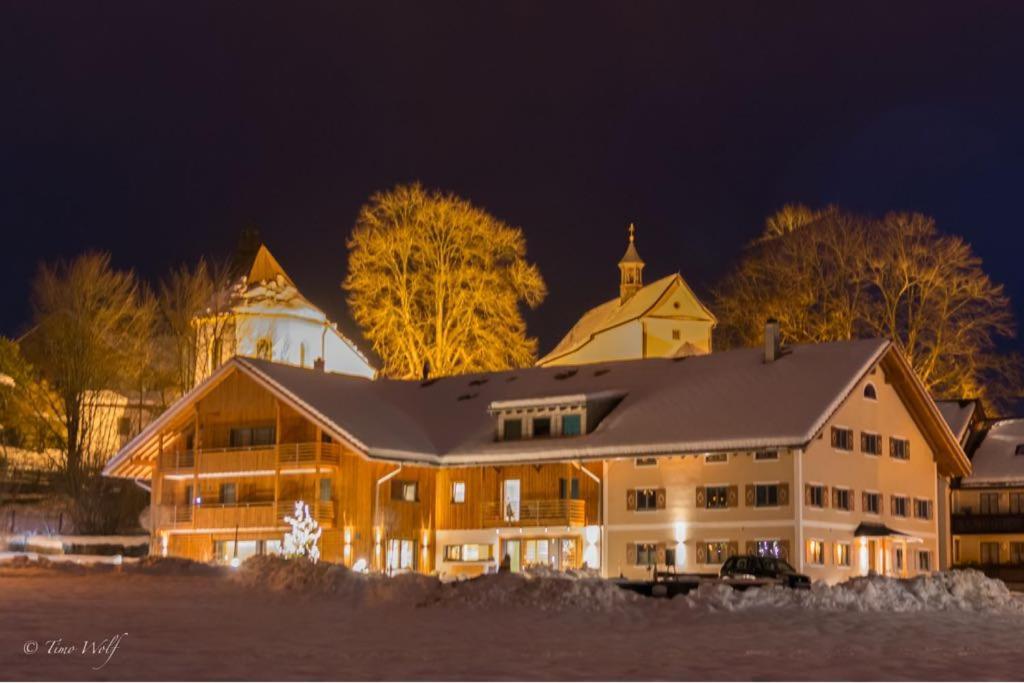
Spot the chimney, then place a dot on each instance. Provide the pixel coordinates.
(772, 343)
(318, 364)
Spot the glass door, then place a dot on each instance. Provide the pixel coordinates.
(513, 548)
(510, 500)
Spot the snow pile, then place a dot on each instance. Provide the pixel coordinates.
(967, 590)
(552, 590)
(175, 566)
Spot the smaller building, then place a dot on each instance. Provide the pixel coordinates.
(988, 505)
(661, 320)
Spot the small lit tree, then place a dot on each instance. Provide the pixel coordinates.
(304, 536)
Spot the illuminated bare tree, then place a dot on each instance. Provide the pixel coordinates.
(436, 282)
(842, 276)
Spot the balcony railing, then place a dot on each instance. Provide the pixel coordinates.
(242, 515)
(540, 512)
(987, 524)
(251, 458)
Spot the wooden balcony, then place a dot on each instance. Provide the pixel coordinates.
(239, 515)
(540, 512)
(250, 459)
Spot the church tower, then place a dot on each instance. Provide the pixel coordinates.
(631, 266)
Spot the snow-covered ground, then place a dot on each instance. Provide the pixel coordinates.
(272, 620)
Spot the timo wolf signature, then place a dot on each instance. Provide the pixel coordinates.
(102, 650)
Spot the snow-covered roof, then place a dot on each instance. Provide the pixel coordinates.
(995, 460)
(615, 312)
(958, 415)
(725, 401)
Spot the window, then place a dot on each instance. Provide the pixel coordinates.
(124, 426)
(816, 552)
(265, 348)
(842, 439)
(646, 554)
(716, 458)
(646, 499)
(228, 494)
(569, 488)
(246, 437)
(407, 491)
(842, 554)
(768, 548)
(956, 550)
(676, 335)
(989, 553)
(766, 455)
(897, 558)
(870, 393)
(646, 462)
(458, 492)
(1016, 552)
(841, 499)
(716, 552)
(467, 552)
(900, 505)
(816, 495)
(400, 554)
(766, 495)
(924, 560)
(870, 443)
(922, 508)
(989, 503)
(1019, 450)
(716, 497)
(512, 430)
(571, 425)
(325, 490)
(541, 426)
(1016, 503)
(670, 557)
(899, 448)
(873, 503)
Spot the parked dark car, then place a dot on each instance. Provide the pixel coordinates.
(746, 571)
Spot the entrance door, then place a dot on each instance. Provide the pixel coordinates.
(510, 500)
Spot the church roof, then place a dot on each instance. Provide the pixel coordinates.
(615, 312)
(631, 255)
(266, 268)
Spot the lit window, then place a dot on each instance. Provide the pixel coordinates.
(458, 492)
(816, 552)
(842, 552)
(407, 491)
(716, 497)
(716, 552)
(870, 443)
(400, 554)
(873, 503)
(325, 490)
(646, 554)
(513, 430)
(870, 393)
(899, 448)
(842, 439)
(769, 548)
(571, 425)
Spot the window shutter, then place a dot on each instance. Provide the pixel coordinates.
(734, 549)
(853, 505)
(702, 553)
(749, 495)
(807, 494)
(659, 553)
(659, 499)
(825, 496)
(835, 498)
(733, 499)
(783, 550)
(751, 548)
(783, 494)
(863, 500)
(881, 503)
(631, 502)
(631, 553)
(701, 497)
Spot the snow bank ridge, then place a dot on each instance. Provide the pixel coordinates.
(968, 590)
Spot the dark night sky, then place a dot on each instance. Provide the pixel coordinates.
(158, 130)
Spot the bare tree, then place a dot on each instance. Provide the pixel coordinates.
(842, 276)
(90, 344)
(436, 282)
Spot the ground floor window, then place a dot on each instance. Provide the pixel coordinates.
(228, 550)
(842, 552)
(990, 553)
(646, 554)
(1017, 553)
(897, 558)
(924, 560)
(769, 548)
(716, 552)
(816, 552)
(557, 553)
(401, 554)
(468, 552)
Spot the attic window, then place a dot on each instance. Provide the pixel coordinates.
(1019, 450)
(512, 430)
(541, 426)
(869, 392)
(676, 335)
(571, 425)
